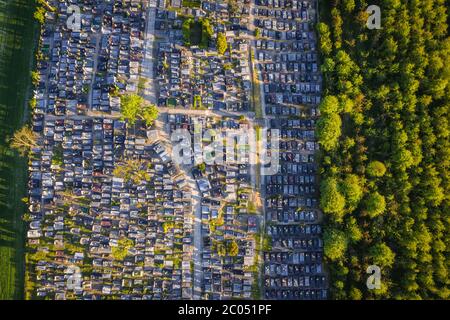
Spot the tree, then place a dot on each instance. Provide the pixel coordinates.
(353, 231)
(131, 106)
(207, 32)
(345, 66)
(32, 103)
(24, 140)
(329, 105)
(134, 170)
(349, 5)
(202, 167)
(352, 190)
(45, 4)
(328, 65)
(335, 244)
(337, 27)
(355, 294)
(150, 114)
(346, 104)
(35, 78)
(326, 45)
(381, 255)
(375, 204)
(222, 44)
(39, 14)
(120, 251)
(221, 250)
(329, 131)
(331, 200)
(233, 248)
(376, 169)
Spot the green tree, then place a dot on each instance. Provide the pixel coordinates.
(395, 113)
(329, 131)
(352, 190)
(233, 6)
(202, 167)
(335, 244)
(221, 250)
(131, 105)
(326, 45)
(355, 294)
(329, 105)
(353, 231)
(375, 204)
(134, 107)
(39, 14)
(24, 140)
(150, 114)
(207, 32)
(376, 169)
(222, 44)
(120, 251)
(331, 199)
(134, 170)
(46, 5)
(346, 104)
(349, 5)
(35, 78)
(32, 103)
(381, 255)
(233, 248)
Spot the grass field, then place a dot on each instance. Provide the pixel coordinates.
(17, 33)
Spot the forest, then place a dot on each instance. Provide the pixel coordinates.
(384, 137)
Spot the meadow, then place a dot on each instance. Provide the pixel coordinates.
(18, 33)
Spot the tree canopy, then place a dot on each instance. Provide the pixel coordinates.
(222, 44)
(24, 140)
(375, 204)
(329, 131)
(376, 169)
(335, 243)
(134, 107)
(332, 201)
(381, 255)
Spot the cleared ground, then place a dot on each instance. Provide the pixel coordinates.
(17, 33)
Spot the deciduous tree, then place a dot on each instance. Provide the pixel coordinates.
(24, 140)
